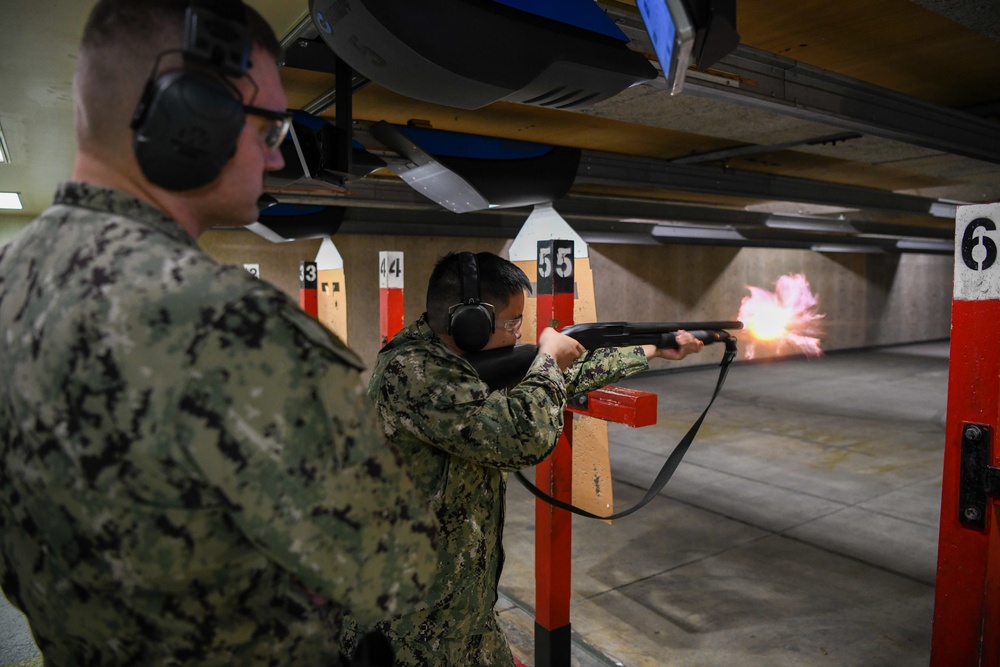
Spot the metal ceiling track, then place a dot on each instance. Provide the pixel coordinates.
(507, 223)
(766, 81)
(374, 207)
(613, 169)
(615, 213)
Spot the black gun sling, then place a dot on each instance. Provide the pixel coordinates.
(665, 472)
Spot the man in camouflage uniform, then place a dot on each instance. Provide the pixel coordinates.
(461, 440)
(190, 473)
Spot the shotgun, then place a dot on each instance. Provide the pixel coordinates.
(505, 366)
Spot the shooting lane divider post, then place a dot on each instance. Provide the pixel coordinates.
(966, 629)
(591, 458)
(390, 295)
(554, 475)
(308, 300)
(555, 307)
(332, 289)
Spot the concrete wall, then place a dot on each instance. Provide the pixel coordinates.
(279, 264)
(867, 299)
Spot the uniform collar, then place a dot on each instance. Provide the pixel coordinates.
(109, 200)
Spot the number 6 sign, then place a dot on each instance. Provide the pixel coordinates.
(966, 630)
(977, 273)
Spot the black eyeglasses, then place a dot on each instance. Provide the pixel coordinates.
(280, 122)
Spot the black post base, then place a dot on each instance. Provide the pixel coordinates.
(552, 647)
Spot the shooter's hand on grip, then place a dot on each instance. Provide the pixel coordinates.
(563, 349)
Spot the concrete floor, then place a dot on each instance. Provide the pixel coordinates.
(800, 530)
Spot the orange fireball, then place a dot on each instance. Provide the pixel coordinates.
(784, 320)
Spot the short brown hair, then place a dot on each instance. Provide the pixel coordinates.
(120, 45)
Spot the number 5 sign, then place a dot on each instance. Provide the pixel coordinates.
(977, 271)
(555, 267)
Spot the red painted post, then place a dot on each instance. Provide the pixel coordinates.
(390, 294)
(308, 292)
(553, 526)
(967, 588)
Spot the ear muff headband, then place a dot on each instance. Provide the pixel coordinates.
(471, 322)
(188, 121)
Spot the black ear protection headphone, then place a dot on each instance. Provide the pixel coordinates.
(188, 121)
(471, 322)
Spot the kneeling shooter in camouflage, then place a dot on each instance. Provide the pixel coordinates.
(461, 440)
(190, 472)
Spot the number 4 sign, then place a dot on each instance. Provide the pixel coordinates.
(977, 272)
(390, 294)
(390, 269)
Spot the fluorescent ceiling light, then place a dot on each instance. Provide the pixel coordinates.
(655, 221)
(944, 208)
(10, 200)
(673, 222)
(846, 247)
(627, 238)
(710, 233)
(928, 245)
(808, 224)
(797, 208)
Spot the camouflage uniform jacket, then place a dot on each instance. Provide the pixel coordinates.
(460, 441)
(181, 450)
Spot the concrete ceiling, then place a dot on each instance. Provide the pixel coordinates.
(877, 116)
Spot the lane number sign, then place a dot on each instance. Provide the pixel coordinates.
(977, 270)
(390, 269)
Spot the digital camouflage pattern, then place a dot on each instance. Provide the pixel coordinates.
(460, 441)
(181, 450)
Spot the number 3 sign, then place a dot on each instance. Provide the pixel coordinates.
(977, 272)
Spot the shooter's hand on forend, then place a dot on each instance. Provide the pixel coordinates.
(563, 349)
(680, 344)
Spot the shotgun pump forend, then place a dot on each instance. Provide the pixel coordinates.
(505, 366)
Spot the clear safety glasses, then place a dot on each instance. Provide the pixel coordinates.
(276, 131)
